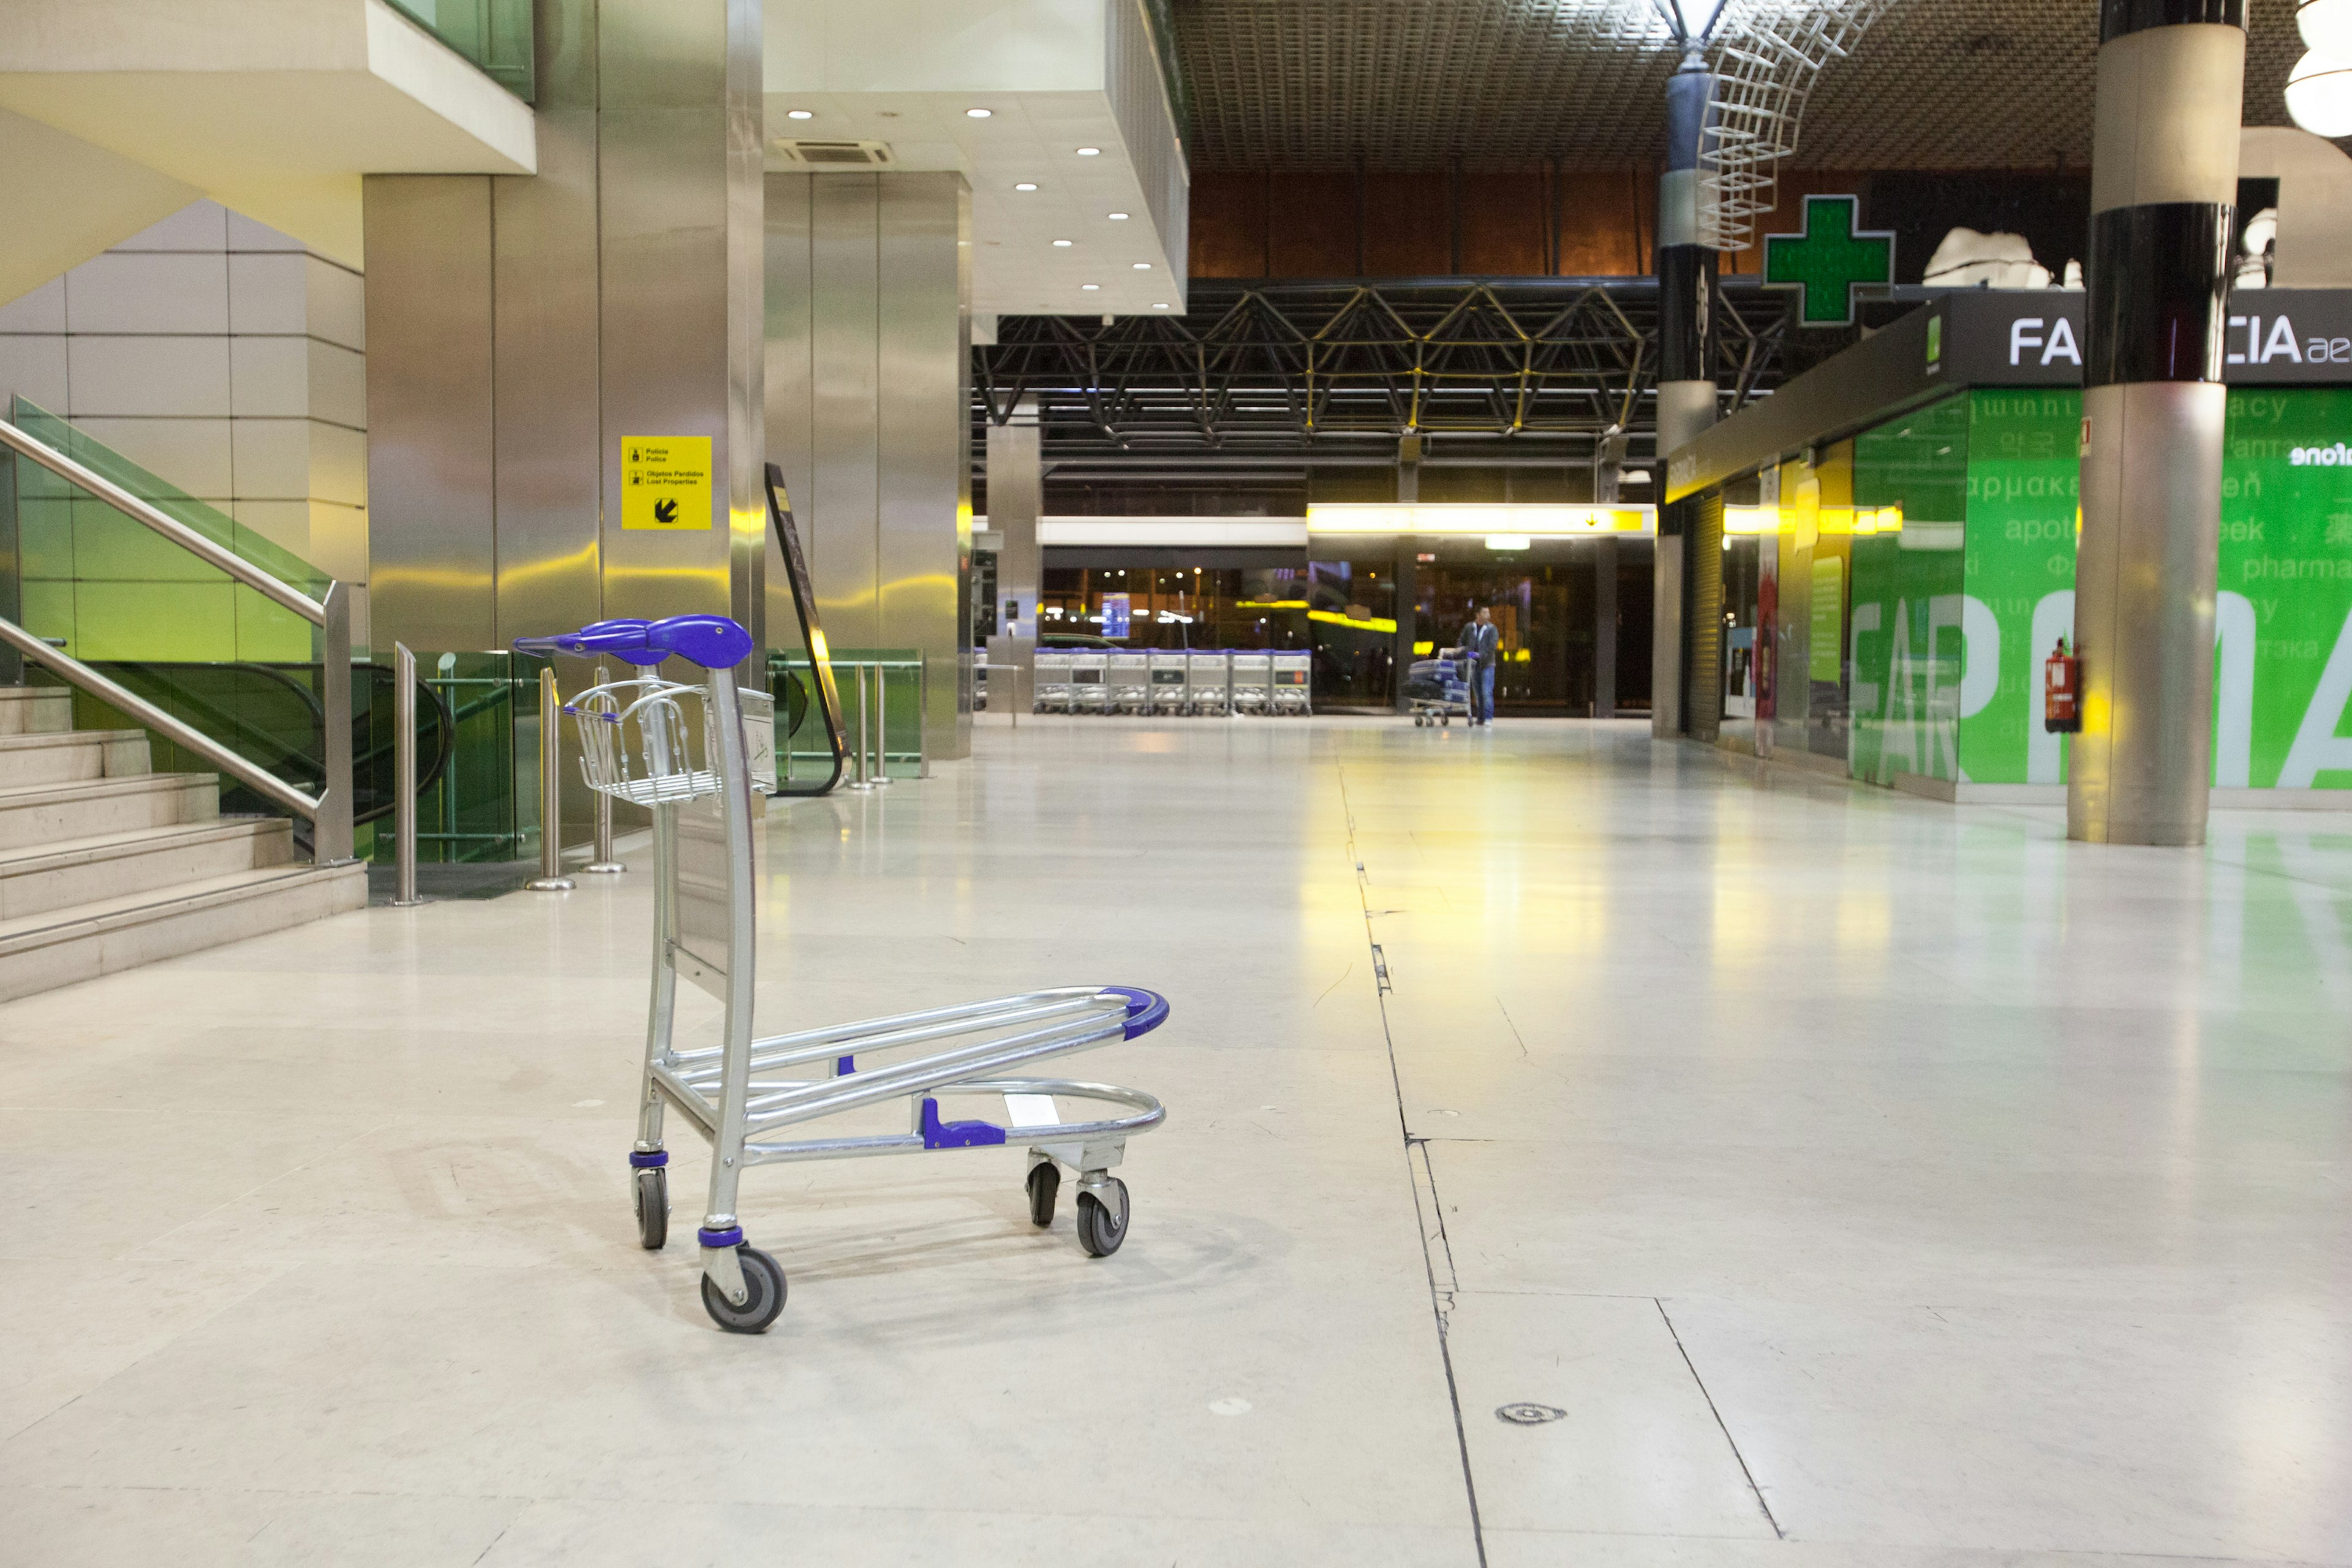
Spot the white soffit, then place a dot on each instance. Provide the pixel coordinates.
(906, 72)
(276, 107)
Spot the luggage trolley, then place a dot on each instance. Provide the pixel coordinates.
(1292, 672)
(1209, 682)
(1089, 683)
(680, 749)
(1053, 677)
(1167, 681)
(1130, 682)
(1439, 689)
(1253, 682)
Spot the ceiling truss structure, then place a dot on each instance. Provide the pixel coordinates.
(1521, 370)
(1425, 84)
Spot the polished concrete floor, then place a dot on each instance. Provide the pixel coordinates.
(1841, 1180)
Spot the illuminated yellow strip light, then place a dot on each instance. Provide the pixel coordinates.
(1862, 520)
(1524, 521)
(1370, 624)
(1269, 603)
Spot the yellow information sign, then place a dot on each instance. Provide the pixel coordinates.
(666, 482)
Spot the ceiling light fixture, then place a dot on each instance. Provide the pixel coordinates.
(1089, 151)
(1025, 185)
(800, 114)
(2326, 26)
(978, 113)
(1143, 267)
(1118, 217)
(1062, 244)
(1089, 287)
(1159, 304)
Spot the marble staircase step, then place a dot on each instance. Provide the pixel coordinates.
(47, 814)
(58, 947)
(39, 878)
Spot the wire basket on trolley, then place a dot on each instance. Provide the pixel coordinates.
(636, 745)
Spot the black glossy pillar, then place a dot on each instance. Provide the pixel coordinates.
(1686, 400)
(2163, 182)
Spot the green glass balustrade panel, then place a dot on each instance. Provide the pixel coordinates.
(496, 34)
(187, 622)
(36, 484)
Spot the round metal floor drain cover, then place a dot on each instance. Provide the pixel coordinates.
(1525, 1414)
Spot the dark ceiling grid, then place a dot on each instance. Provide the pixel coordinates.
(1403, 84)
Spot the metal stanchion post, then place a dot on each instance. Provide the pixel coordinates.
(923, 719)
(605, 861)
(404, 778)
(881, 725)
(550, 878)
(861, 782)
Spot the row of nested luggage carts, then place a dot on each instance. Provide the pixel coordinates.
(1171, 681)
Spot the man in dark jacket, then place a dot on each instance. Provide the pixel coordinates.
(1481, 640)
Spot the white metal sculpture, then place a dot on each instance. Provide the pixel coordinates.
(1767, 54)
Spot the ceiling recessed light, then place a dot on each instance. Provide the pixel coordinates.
(1089, 151)
(978, 113)
(800, 114)
(1062, 243)
(1025, 185)
(1159, 304)
(1118, 217)
(1089, 287)
(1143, 267)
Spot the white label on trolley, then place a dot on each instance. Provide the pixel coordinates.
(1032, 1109)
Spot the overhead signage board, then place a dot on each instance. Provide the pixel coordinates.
(666, 483)
(1997, 337)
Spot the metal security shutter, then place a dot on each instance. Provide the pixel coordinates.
(1703, 569)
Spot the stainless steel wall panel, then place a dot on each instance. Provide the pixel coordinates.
(431, 556)
(674, 275)
(787, 389)
(923, 543)
(550, 430)
(845, 308)
(663, 315)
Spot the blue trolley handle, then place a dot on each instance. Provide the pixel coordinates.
(1146, 1010)
(714, 642)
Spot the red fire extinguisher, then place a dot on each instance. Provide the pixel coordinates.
(2062, 687)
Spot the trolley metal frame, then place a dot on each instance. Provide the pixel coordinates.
(679, 749)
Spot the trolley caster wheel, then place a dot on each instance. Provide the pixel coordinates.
(1045, 1185)
(652, 1209)
(763, 1301)
(1448, 723)
(1099, 1230)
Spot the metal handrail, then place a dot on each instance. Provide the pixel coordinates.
(329, 814)
(162, 522)
(260, 780)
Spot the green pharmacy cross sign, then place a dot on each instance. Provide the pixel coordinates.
(1829, 260)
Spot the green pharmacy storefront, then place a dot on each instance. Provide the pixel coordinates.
(1896, 533)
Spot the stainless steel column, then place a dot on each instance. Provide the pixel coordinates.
(1686, 398)
(404, 778)
(550, 878)
(2163, 185)
(1608, 480)
(868, 411)
(1016, 499)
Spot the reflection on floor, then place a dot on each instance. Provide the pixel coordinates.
(1819, 1176)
